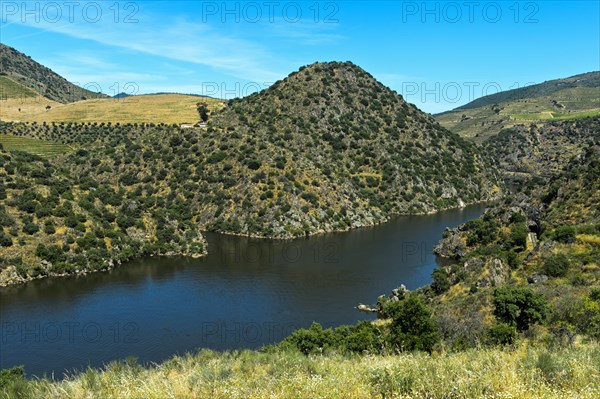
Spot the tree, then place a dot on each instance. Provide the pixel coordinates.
(518, 236)
(441, 283)
(519, 307)
(202, 108)
(412, 326)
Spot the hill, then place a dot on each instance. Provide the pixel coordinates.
(542, 150)
(543, 240)
(561, 99)
(30, 74)
(585, 80)
(151, 108)
(270, 165)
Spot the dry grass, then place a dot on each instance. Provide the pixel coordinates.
(25, 108)
(157, 108)
(525, 372)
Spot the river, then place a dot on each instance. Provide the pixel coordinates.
(245, 294)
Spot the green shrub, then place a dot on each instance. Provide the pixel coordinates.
(518, 236)
(519, 307)
(441, 283)
(556, 265)
(31, 228)
(312, 340)
(412, 326)
(501, 334)
(564, 234)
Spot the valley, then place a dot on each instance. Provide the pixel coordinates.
(172, 215)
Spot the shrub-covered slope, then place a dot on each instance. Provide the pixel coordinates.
(326, 149)
(55, 222)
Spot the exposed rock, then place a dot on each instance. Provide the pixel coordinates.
(400, 292)
(497, 274)
(537, 279)
(473, 264)
(451, 246)
(365, 308)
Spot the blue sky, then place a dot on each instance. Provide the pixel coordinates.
(439, 55)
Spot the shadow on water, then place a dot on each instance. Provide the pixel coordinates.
(245, 293)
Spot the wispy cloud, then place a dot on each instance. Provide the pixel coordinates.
(179, 40)
(307, 32)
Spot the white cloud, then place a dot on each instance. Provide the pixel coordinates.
(178, 39)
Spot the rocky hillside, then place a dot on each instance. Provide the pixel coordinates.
(542, 150)
(30, 74)
(346, 150)
(547, 240)
(326, 149)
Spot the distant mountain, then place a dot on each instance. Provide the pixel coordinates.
(555, 100)
(22, 70)
(122, 95)
(590, 80)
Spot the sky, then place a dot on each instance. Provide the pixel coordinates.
(438, 55)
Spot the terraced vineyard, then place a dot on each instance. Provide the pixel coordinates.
(33, 146)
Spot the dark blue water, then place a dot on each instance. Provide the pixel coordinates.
(245, 293)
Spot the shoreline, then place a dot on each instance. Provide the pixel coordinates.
(78, 273)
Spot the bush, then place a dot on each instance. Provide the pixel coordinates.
(556, 266)
(501, 334)
(412, 326)
(312, 340)
(564, 234)
(441, 283)
(519, 307)
(30, 228)
(364, 337)
(5, 240)
(518, 236)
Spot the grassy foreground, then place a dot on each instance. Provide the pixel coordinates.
(524, 372)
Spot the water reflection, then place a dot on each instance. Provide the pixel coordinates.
(245, 293)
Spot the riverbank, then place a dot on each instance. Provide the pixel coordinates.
(527, 371)
(10, 276)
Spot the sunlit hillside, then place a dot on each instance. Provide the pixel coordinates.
(156, 108)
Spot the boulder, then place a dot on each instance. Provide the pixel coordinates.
(537, 279)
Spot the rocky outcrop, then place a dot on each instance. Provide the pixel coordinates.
(397, 294)
(496, 273)
(452, 245)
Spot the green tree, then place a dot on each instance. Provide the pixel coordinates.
(518, 236)
(202, 108)
(412, 326)
(441, 283)
(519, 307)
